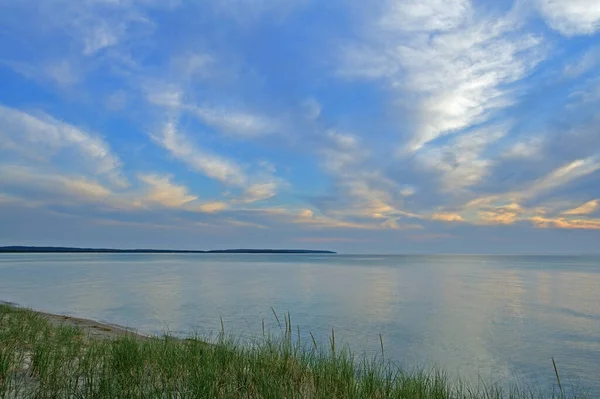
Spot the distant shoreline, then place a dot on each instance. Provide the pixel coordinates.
(28, 249)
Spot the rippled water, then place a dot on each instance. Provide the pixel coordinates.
(498, 317)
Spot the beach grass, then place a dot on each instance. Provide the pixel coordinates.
(39, 359)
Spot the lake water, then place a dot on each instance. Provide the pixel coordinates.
(498, 317)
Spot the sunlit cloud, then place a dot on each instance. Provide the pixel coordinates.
(585, 209)
(166, 193)
(66, 188)
(42, 137)
(562, 223)
(213, 166)
(447, 217)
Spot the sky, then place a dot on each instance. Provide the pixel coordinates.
(392, 126)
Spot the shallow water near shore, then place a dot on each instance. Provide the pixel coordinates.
(500, 318)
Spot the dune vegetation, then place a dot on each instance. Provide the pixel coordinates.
(40, 359)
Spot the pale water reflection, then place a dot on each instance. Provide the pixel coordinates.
(498, 317)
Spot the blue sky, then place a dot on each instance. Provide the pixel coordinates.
(436, 126)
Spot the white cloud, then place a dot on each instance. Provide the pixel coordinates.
(461, 161)
(571, 17)
(99, 37)
(584, 64)
(43, 137)
(231, 122)
(213, 166)
(170, 96)
(425, 16)
(63, 72)
(456, 63)
(194, 65)
(569, 172)
(525, 148)
(236, 123)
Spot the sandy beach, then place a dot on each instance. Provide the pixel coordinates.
(92, 329)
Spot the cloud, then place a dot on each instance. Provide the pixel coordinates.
(166, 193)
(211, 165)
(364, 197)
(328, 239)
(571, 17)
(64, 188)
(259, 192)
(364, 191)
(562, 223)
(460, 162)
(312, 108)
(117, 100)
(308, 217)
(458, 64)
(506, 214)
(425, 237)
(236, 123)
(556, 178)
(585, 209)
(208, 207)
(44, 137)
(192, 65)
(584, 64)
(447, 217)
(431, 16)
(569, 172)
(99, 37)
(507, 208)
(240, 223)
(230, 122)
(170, 96)
(62, 72)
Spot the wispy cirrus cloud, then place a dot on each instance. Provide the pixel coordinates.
(41, 137)
(507, 208)
(183, 149)
(253, 188)
(71, 188)
(236, 123)
(461, 162)
(455, 61)
(367, 193)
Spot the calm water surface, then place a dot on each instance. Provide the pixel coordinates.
(497, 317)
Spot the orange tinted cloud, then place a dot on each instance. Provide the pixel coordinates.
(562, 223)
(585, 209)
(447, 217)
